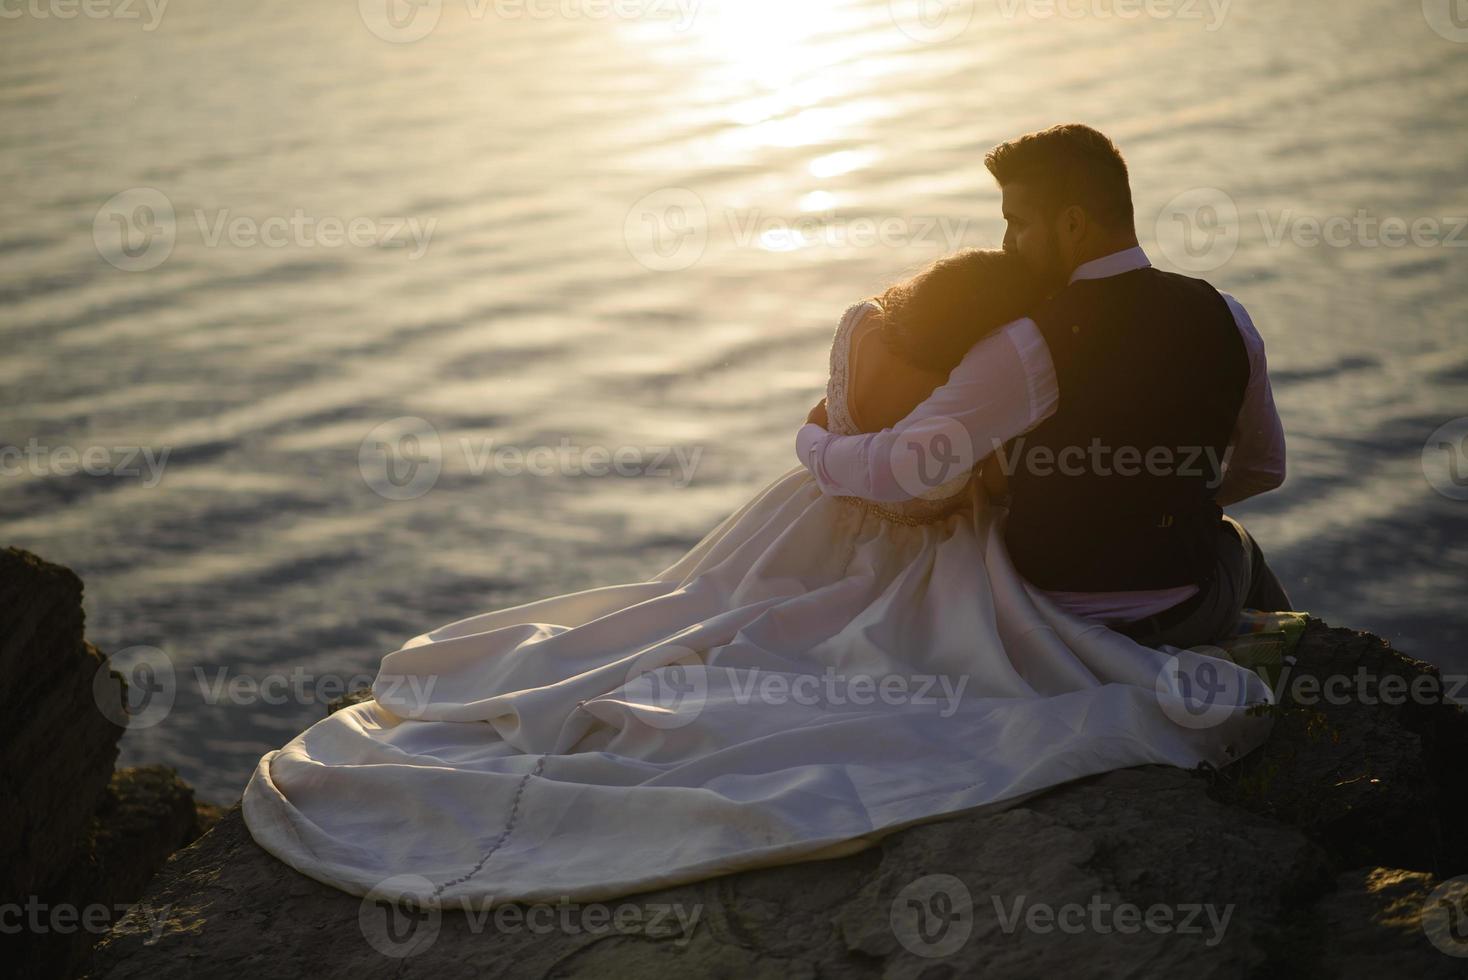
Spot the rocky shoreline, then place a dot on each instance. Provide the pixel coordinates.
(1337, 849)
(78, 840)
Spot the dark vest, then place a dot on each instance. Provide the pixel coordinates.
(1114, 492)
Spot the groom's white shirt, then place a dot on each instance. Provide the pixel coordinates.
(1005, 386)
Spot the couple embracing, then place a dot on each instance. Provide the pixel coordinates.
(998, 568)
(1119, 407)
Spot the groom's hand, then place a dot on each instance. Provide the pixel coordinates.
(818, 414)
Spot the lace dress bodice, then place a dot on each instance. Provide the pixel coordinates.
(931, 506)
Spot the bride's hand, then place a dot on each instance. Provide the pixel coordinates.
(818, 414)
(994, 480)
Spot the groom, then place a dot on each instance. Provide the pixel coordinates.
(1125, 413)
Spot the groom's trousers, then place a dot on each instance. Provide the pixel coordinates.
(1242, 580)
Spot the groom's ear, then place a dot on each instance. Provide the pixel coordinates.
(1073, 224)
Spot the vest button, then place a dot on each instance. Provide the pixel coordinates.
(1075, 328)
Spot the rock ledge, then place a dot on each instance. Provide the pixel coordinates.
(1313, 857)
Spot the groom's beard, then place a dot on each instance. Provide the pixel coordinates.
(1045, 266)
(1050, 269)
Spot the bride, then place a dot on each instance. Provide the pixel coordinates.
(817, 672)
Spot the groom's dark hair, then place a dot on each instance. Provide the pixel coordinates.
(1069, 164)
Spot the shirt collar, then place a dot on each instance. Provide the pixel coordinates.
(1127, 260)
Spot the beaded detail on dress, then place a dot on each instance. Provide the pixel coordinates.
(928, 508)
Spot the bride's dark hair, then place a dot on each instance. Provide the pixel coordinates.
(931, 319)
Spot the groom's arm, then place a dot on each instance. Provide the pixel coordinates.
(1256, 458)
(1004, 386)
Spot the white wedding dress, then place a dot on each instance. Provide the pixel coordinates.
(817, 672)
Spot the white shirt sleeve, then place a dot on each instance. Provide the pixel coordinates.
(1004, 386)
(1256, 459)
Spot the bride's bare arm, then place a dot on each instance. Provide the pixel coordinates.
(883, 388)
(987, 395)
